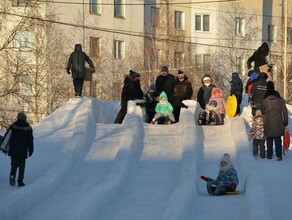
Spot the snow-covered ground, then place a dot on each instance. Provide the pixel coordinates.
(86, 167)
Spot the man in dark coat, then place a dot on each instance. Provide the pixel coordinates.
(259, 57)
(131, 91)
(205, 91)
(165, 82)
(76, 64)
(275, 120)
(21, 145)
(236, 89)
(182, 91)
(257, 93)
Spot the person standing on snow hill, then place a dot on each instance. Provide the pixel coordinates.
(21, 146)
(257, 133)
(259, 57)
(163, 110)
(152, 98)
(276, 119)
(226, 181)
(182, 91)
(165, 82)
(76, 64)
(131, 91)
(236, 89)
(205, 91)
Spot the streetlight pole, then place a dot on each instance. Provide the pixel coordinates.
(285, 47)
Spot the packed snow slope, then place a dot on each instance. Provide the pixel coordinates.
(86, 167)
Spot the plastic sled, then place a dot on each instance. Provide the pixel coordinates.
(231, 106)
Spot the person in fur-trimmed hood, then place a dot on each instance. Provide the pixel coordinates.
(226, 181)
(21, 146)
(205, 91)
(257, 133)
(276, 119)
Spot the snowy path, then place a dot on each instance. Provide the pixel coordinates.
(92, 168)
(152, 176)
(210, 151)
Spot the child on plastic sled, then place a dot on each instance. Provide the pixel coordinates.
(210, 115)
(163, 111)
(217, 96)
(226, 181)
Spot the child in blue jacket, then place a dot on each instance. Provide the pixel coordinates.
(226, 181)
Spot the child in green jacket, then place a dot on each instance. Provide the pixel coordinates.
(163, 110)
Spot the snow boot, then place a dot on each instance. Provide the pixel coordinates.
(202, 118)
(20, 183)
(210, 188)
(213, 118)
(12, 180)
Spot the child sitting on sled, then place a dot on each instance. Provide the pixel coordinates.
(217, 96)
(210, 115)
(226, 181)
(163, 111)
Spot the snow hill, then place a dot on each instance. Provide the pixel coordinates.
(86, 167)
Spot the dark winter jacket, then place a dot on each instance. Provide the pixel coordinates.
(21, 141)
(182, 91)
(166, 84)
(258, 91)
(236, 85)
(205, 92)
(76, 62)
(259, 57)
(276, 114)
(131, 91)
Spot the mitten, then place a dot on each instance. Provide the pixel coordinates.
(285, 124)
(232, 186)
(205, 178)
(92, 70)
(184, 106)
(68, 71)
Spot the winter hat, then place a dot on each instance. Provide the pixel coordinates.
(21, 116)
(152, 87)
(205, 78)
(258, 112)
(134, 74)
(226, 159)
(270, 86)
(163, 95)
(253, 76)
(164, 69)
(180, 72)
(213, 102)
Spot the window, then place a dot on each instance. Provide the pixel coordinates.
(154, 16)
(95, 7)
(17, 3)
(179, 20)
(23, 41)
(202, 22)
(119, 49)
(202, 59)
(26, 85)
(94, 47)
(240, 27)
(178, 59)
(119, 8)
(289, 35)
(272, 33)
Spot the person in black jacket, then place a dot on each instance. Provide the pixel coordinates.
(259, 57)
(236, 89)
(131, 91)
(205, 91)
(182, 91)
(21, 146)
(76, 64)
(165, 82)
(257, 92)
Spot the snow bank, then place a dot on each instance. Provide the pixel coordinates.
(98, 198)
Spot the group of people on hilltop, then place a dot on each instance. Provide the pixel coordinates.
(270, 115)
(163, 100)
